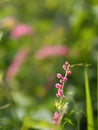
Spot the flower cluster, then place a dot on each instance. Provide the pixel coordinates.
(63, 79)
(60, 94)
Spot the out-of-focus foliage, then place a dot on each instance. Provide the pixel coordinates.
(26, 81)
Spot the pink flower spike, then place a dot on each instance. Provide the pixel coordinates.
(21, 30)
(51, 51)
(57, 85)
(59, 76)
(18, 60)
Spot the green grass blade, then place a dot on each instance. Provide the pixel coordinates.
(90, 119)
(1, 35)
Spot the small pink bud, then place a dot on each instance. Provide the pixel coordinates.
(65, 79)
(61, 81)
(59, 75)
(60, 93)
(56, 116)
(57, 85)
(54, 122)
(57, 95)
(68, 72)
(55, 119)
(66, 63)
(64, 67)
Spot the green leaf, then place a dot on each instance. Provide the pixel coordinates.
(37, 124)
(67, 120)
(90, 118)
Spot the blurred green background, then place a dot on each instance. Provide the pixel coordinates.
(55, 31)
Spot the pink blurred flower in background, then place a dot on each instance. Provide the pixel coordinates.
(16, 63)
(21, 30)
(49, 51)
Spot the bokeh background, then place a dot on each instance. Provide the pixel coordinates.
(36, 38)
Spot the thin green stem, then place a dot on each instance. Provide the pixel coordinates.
(97, 74)
(90, 120)
(81, 65)
(4, 106)
(78, 124)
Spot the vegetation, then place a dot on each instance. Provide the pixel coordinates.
(36, 38)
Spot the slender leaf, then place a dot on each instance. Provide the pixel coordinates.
(90, 120)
